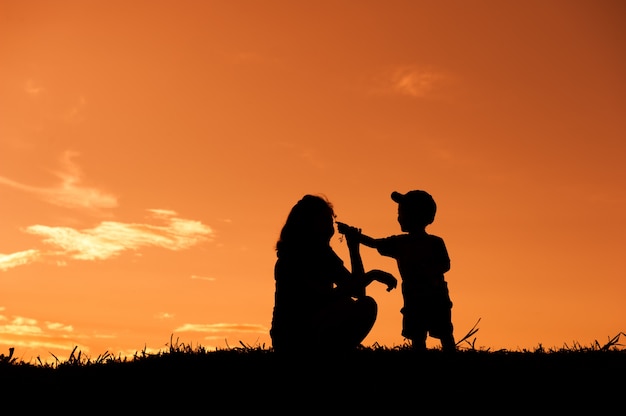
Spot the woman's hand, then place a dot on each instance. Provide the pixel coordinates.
(383, 277)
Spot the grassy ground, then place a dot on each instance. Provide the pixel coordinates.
(376, 380)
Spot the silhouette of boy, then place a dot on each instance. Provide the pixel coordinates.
(422, 260)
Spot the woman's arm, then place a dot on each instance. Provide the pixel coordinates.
(358, 271)
(359, 279)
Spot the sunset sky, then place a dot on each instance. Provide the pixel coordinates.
(151, 150)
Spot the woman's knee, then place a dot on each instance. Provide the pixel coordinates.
(368, 306)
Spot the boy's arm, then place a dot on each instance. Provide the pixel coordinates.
(356, 235)
(367, 241)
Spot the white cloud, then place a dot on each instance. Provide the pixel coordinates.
(108, 238)
(22, 332)
(56, 326)
(221, 327)
(8, 261)
(69, 193)
(162, 213)
(111, 238)
(21, 326)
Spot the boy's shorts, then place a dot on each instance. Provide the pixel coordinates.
(430, 316)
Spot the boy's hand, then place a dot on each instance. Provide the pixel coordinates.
(352, 234)
(347, 230)
(385, 278)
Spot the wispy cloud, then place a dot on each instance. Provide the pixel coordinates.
(222, 328)
(8, 261)
(310, 157)
(32, 88)
(75, 113)
(19, 326)
(411, 80)
(110, 239)
(196, 277)
(415, 82)
(163, 229)
(69, 193)
(56, 326)
(19, 331)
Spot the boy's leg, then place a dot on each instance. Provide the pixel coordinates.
(418, 343)
(413, 328)
(442, 327)
(448, 344)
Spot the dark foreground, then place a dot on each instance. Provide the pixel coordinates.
(251, 381)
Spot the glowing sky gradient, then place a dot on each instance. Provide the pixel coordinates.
(151, 150)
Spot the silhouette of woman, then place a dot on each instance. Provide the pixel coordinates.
(320, 305)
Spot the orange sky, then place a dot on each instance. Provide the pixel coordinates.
(151, 150)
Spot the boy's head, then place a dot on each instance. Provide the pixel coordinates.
(416, 209)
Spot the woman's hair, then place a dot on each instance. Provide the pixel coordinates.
(303, 222)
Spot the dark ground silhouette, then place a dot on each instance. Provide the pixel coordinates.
(368, 381)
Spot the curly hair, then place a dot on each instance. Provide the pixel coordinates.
(302, 227)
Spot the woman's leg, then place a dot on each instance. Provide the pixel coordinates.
(363, 319)
(346, 323)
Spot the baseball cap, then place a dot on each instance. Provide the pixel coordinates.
(413, 197)
(418, 201)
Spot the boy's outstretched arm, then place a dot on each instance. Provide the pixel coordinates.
(368, 241)
(356, 234)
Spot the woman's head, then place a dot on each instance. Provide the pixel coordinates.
(311, 221)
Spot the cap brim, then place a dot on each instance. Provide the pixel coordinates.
(397, 197)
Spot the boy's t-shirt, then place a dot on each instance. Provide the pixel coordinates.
(422, 259)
